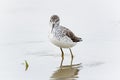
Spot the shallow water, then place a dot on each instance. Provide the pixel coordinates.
(24, 27)
(46, 63)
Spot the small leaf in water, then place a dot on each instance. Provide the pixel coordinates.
(26, 65)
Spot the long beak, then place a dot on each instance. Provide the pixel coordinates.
(52, 27)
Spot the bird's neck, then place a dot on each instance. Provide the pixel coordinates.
(54, 27)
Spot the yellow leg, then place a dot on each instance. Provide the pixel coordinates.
(61, 62)
(62, 53)
(71, 53)
(71, 61)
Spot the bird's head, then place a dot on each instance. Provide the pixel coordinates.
(54, 20)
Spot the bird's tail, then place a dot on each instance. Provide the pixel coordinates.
(80, 39)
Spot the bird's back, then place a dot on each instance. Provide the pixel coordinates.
(67, 32)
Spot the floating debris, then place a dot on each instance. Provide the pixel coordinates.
(26, 65)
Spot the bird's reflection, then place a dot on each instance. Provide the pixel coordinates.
(66, 72)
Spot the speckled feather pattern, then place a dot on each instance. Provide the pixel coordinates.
(61, 36)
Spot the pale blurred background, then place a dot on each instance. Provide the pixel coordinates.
(24, 27)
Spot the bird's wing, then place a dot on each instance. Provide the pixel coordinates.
(71, 35)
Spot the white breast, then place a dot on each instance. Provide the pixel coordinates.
(63, 42)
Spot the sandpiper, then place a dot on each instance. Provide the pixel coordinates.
(62, 36)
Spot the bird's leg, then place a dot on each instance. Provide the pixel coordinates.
(62, 53)
(71, 61)
(71, 53)
(61, 62)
